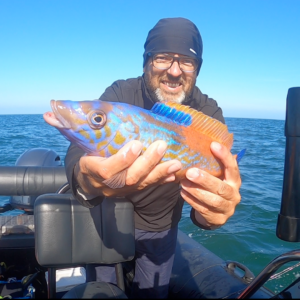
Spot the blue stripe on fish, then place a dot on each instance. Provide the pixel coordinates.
(175, 115)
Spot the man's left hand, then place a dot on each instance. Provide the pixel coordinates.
(213, 199)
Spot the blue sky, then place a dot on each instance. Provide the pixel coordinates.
(69, 49)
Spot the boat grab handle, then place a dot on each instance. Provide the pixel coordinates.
(248, 275)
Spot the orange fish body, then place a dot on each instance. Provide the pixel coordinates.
(102, 128)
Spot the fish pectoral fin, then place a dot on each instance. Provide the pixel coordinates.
(240, 155)
(117, 181)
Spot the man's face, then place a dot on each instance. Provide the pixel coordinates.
(169, 85)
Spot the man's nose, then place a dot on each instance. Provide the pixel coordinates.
(175, 70)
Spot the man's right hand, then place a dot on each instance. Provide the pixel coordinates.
(143, 169)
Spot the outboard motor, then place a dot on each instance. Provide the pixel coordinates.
(39, 157)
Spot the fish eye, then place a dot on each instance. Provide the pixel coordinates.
(97, 119)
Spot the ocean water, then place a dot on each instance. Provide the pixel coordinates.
(249, 236)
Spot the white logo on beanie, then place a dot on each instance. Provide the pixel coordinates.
(192, 50)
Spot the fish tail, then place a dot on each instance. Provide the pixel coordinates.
(240, 155)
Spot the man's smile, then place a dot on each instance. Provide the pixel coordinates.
(171, 86)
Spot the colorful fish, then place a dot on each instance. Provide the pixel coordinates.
(102, 128)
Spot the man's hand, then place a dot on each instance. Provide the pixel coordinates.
(213, 199)
(142, 170)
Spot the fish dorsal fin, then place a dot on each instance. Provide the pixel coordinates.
(175, 112)
(187, 116)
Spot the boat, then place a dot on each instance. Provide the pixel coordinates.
(43, 251)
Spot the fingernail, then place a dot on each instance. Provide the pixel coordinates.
(193, 173)
(216, 146)
(171, 178)
(136, 148)
(174, 168)
(161, 148)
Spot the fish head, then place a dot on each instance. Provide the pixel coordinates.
(93, 125)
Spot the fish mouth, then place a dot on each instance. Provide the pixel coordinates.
(54, 118)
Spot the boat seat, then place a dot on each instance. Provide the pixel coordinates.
(68, 235)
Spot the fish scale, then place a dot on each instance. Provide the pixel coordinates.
(102, 128)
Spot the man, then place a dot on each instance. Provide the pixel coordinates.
(172, 61)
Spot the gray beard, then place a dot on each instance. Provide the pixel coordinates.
(160, 98)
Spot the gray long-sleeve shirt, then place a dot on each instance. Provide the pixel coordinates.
(156, 208)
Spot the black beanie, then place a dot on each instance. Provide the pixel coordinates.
(175, 35)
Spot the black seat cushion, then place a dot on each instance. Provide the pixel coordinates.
(95, 290)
